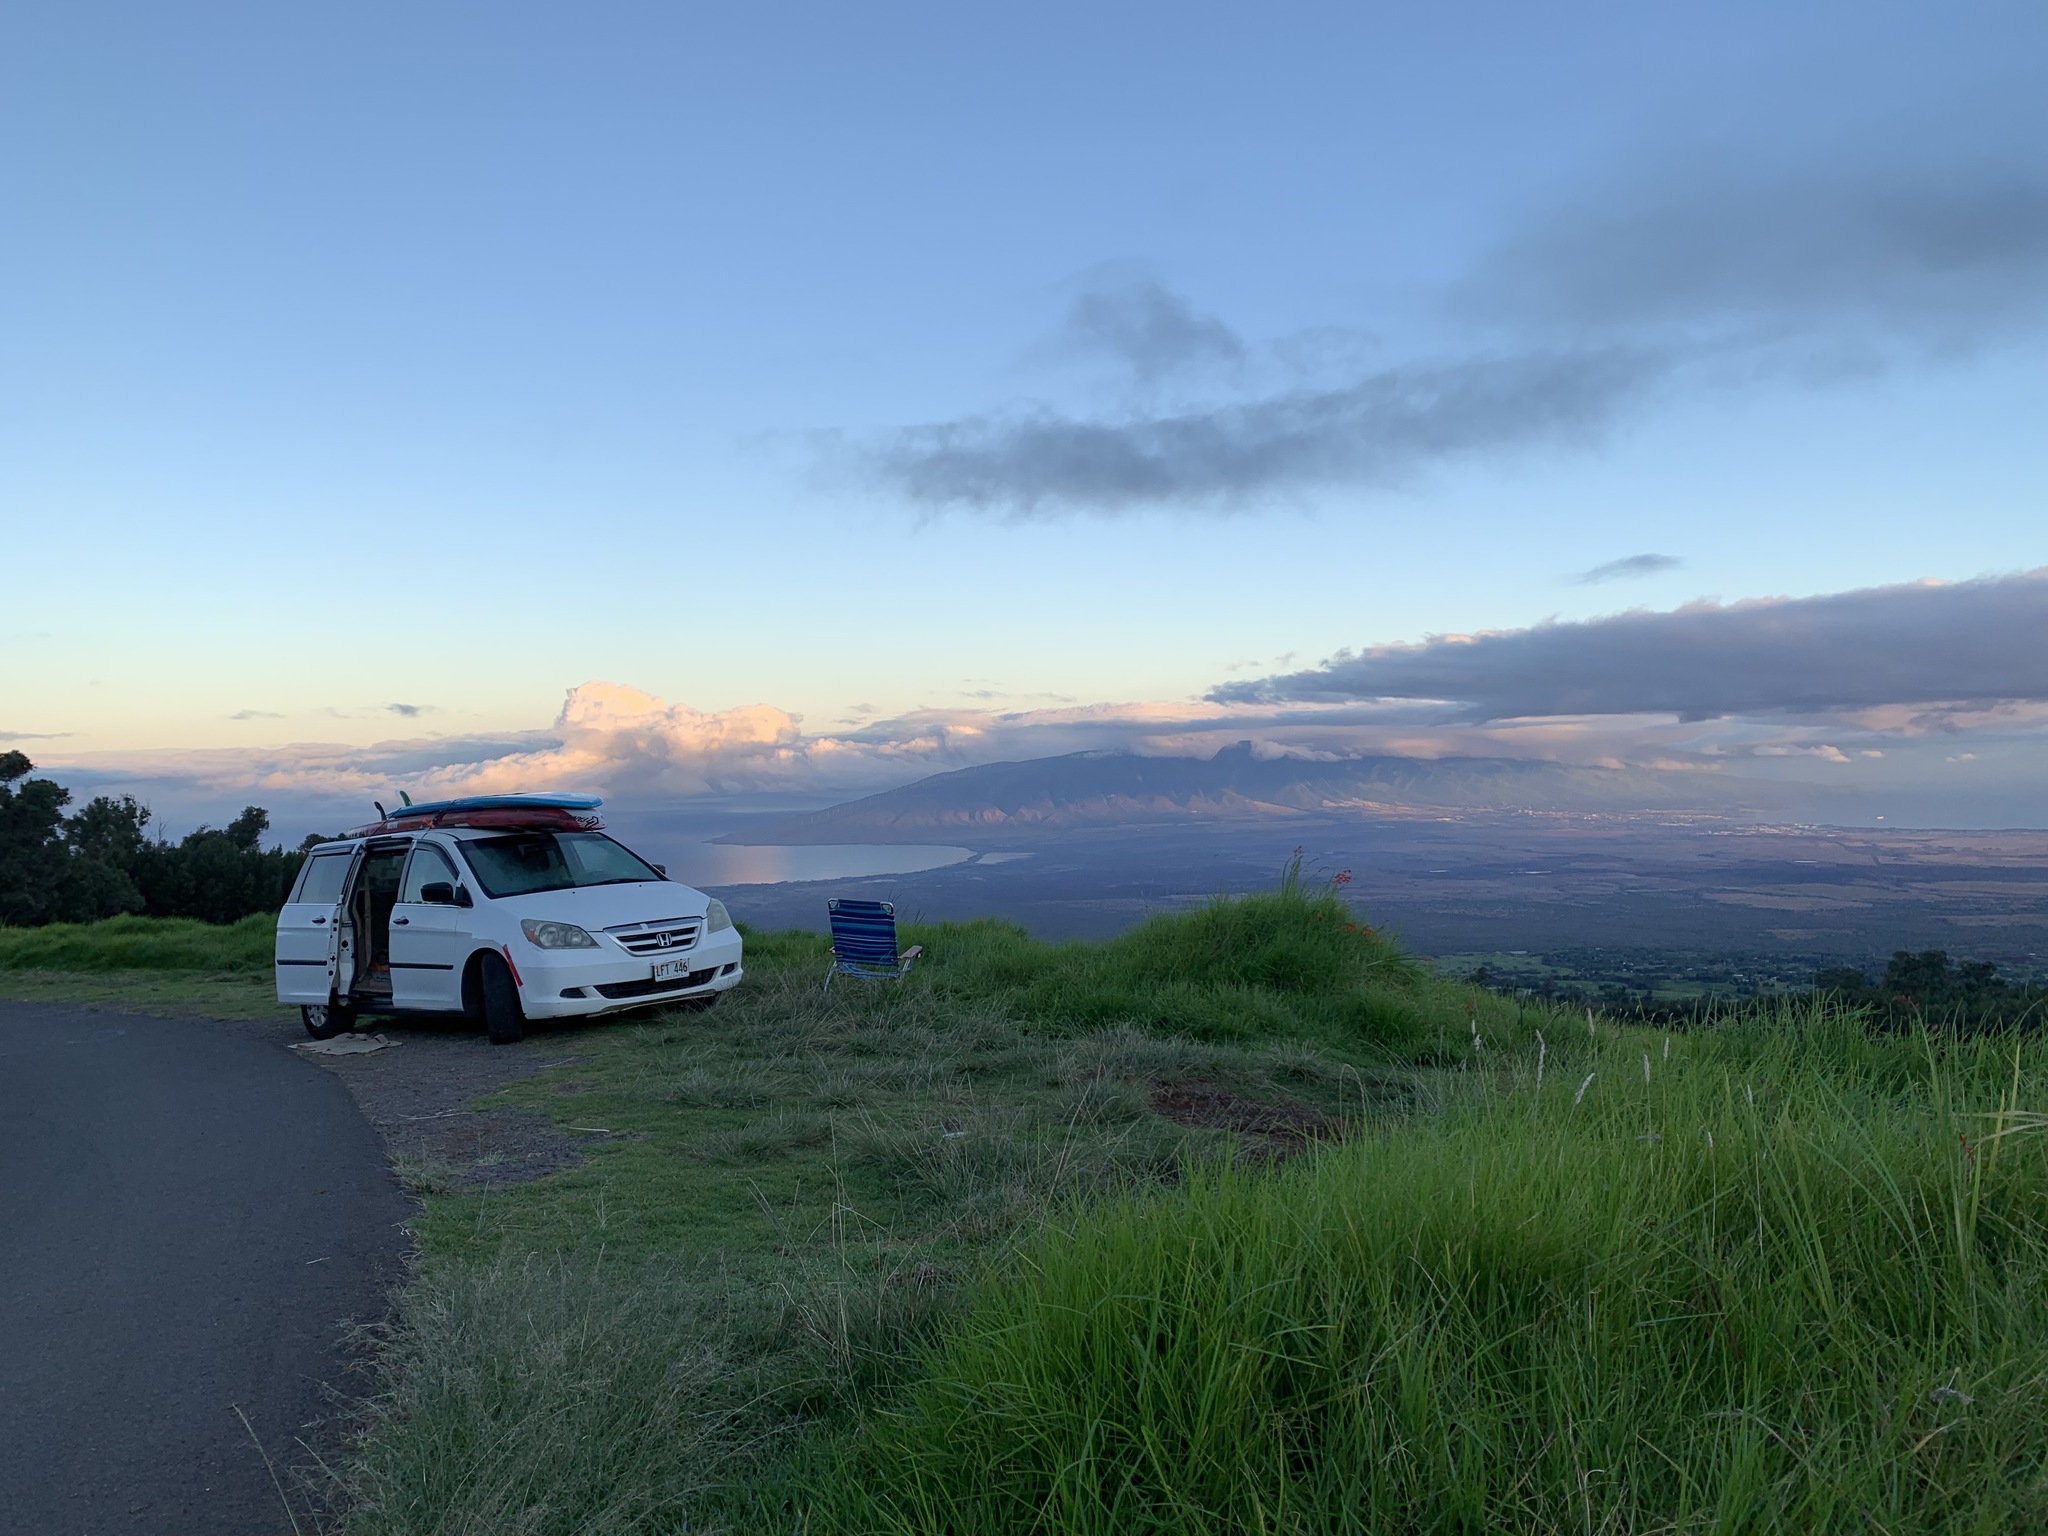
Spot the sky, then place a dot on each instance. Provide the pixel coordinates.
(677, 401)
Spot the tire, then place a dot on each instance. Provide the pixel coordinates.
(325, 1022)
(499, 998)
(699, 1004)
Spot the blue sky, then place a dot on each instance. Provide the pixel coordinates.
(455, 357)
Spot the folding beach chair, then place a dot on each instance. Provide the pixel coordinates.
(864, 941)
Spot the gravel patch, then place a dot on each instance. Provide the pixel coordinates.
(419, 1099)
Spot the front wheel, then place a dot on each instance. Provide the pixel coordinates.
(503, 1020)
(325, 1021)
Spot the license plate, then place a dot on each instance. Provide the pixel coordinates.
(671, 970)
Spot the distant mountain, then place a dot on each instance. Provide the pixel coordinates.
(1005, 802)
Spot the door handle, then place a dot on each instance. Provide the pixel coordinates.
(400, 922)
(319, 922)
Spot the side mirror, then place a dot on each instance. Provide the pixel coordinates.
(438, 893)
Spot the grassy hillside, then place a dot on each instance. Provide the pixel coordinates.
(1242, 1222)
(142, 944)
(786, 1200)
(1766, 1283)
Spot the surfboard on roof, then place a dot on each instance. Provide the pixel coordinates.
(501, 803)
(534, 812)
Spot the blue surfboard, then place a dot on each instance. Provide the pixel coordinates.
(500, 803)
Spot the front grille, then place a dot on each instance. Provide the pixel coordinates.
(663, 936)
(619, 989)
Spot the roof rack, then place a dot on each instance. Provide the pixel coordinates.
(535, 813)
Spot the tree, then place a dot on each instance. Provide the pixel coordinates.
(102, 861)
(111, 831)
(43, 877)
(218, 874)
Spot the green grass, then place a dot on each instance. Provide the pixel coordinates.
(143, 944)
(162, 964)
(1290, 964)
(1761, 1287)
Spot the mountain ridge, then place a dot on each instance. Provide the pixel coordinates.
(1035, 796)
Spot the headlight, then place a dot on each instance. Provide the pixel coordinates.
(555, 935)
(716, 918)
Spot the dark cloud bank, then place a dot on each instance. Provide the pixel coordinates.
(1946, 256)
(1378, 431)
(1699, 273)
(1969, 643)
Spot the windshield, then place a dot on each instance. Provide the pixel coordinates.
(522, 862)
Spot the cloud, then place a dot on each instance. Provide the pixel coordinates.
(255, 714)
(634, 748)
(1933, 646)
(1381, 430)
(410, 711)
(1627, 569)
(1686, 275)
(1947, 253)
(1147, 327)
(32, 735)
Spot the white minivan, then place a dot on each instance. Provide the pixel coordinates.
(504, 908)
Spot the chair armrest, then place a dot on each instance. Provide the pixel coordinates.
(911, 953)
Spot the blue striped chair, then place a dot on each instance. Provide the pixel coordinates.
(864, 941)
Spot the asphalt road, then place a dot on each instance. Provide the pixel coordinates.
(188, 1213)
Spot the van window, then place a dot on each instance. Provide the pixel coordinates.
(428, 865)
(523, 862)
(323, 879)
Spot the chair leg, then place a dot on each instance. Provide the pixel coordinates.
(830, 972)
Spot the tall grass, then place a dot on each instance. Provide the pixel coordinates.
(1288, 964)
(557, 1395)
(1770, 1282)
(142, 944)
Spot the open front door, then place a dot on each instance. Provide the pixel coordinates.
(429, 935)
(309, 930)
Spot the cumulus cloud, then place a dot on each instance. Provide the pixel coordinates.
(1832, 685)
(624, 743)
(1690, 275)
(632, 747)
(1927, 646)
(1627, 569)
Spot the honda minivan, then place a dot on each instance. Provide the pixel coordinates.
(503, 908)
